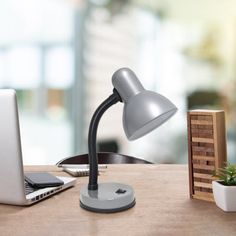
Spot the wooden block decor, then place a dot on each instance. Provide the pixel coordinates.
(206, 150)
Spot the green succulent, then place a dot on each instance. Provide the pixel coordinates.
(227, 174)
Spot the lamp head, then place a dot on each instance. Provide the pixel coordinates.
(143, 110)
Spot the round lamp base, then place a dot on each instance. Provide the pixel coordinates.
(108, 198)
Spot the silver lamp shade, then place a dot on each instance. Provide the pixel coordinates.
(143, 110)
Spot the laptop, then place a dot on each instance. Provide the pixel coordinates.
(13, 189)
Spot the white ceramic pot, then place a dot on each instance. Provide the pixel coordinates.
(225, 196)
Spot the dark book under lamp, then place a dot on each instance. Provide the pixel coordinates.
(143, 112)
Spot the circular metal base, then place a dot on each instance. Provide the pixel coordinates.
(108, 198)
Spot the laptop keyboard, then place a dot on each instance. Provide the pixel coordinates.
(29, 189)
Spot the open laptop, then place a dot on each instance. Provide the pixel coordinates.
(12, 180)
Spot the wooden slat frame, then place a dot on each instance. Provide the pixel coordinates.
(201, 122)
(203, 158)
(202, 185)
(209, 128)
(203, 167)
(199, 197)
(203, 194)
(204, 176)
(202, 140)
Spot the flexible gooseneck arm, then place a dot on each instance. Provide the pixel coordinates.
(92, 138)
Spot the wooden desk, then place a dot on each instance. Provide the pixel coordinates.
(163, 208)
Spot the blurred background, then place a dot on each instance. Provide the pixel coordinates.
(60, 55)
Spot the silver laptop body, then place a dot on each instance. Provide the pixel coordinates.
(12, 183)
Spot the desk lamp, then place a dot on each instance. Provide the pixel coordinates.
(143, 111)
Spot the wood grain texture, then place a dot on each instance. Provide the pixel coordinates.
(220, 139)
(203, 185)
(203, 194)
(204, 176)
(203, 140)
(204, 158)
(201, 122)
(204, 198)
(203, 167)
(190, 153)
(206, 148)
(163, 208)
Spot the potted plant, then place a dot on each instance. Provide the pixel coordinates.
(224, 189)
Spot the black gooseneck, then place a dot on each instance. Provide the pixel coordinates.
(92, 138)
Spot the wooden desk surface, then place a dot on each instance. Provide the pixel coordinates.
(163, 208)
